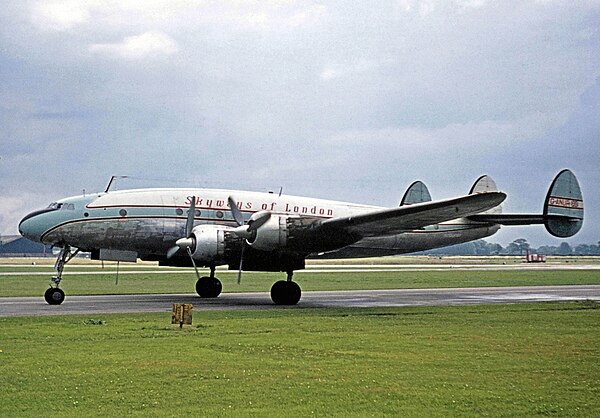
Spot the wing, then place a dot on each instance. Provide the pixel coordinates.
(406, 218)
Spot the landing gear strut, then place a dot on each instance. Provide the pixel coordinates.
(54, 295)
(209, 286)
(286, 292)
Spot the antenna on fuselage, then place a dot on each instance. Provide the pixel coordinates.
(112, 179)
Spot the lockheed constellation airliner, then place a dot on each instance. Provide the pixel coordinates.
(269, 232)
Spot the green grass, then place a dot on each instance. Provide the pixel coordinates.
(82, 284)
(511, 360)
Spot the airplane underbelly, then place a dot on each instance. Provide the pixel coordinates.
(410, 242)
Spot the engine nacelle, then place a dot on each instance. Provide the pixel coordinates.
(209, 243)
(272, 235)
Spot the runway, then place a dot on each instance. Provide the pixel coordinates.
(94, 305)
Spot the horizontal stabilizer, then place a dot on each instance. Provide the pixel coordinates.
(563, 209)
(416, 193)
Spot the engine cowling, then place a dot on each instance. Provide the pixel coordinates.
(270, 236)
(209, 243)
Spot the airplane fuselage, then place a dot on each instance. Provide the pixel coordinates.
(149, 221)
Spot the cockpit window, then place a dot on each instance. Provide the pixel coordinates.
(57, 206)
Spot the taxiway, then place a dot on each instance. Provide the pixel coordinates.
(93, 305)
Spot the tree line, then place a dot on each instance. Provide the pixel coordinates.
(519, 246)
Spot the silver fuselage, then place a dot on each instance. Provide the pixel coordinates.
(149, 221)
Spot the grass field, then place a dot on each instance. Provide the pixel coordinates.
(86, 284)
(511, 360)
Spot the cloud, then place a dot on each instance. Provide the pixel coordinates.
(344, 100)
(149, 44)
(59, 15)
(334, 71)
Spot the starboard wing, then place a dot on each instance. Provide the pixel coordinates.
(406, 218)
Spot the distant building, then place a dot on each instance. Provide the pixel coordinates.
(17, 246)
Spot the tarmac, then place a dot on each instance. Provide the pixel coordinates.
(106, 304)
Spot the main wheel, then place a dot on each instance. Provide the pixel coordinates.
(54, 296)
(285, 292)
(208, 287)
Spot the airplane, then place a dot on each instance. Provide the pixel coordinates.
(252, 231)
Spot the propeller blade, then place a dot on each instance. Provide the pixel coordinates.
(239, 278)
(189, 224)
(189, 251)
(172, 251)
(235, 211)
(258, 219)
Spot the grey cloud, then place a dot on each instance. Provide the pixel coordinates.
(342, 100)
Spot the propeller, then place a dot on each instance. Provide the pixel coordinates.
(187, 242)
(246, 230)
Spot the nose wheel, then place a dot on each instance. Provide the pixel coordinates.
(54, 296)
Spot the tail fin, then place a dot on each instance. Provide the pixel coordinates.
(416, 193)
(563, 209)
(485, 184)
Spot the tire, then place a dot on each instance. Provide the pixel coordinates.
(54, 296)
(208, 287)
(285, 293)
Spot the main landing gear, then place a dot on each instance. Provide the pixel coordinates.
(55, 295)
(286, 292)
(209, 286)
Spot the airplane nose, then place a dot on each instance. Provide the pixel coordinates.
(30, 226)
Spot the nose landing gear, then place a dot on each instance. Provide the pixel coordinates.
(55, 295)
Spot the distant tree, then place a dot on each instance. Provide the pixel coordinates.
(522, 244)
(495, 249)
(583, 249)
(517, 247)
(480, 247)
(564, 249)
(547, 250)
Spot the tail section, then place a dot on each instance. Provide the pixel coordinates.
(416, 193)
(563, 208)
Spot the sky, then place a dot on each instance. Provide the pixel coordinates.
(344, 100)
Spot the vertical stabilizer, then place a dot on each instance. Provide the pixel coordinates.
(563, 208)
(416, 193)
(485, 184)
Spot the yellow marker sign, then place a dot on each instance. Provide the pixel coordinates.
(182, 314)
